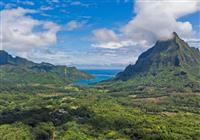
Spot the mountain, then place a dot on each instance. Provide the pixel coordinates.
(21, 70)
(8, 59)
(169, 64)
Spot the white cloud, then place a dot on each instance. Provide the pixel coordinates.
(158, 19)
(78, 3)
(88, 59)
(19, 31)
(28, 3)
(193, 42)
(104, 35)
(154, 20)
(73, 24)
(46, 8)
(114, 45)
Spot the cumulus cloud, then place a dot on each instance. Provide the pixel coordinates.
(21, 33)
(93, 58)
(78, 3)
(114, 45)
(104, 35)
(46, 8)
(106, 38)
(30, 3)
(73, 24)
(154, 20)
(158, 19)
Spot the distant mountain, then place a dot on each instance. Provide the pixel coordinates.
(6, 58)
(21, 70)
(169, 64)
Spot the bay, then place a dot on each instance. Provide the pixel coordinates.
(99, 75)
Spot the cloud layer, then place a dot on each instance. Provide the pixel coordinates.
(154, 20)
(104, 35)
(73, 25)
(158, 19)
(21, 33)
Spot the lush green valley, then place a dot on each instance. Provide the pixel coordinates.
(158, 98)
(88, 113)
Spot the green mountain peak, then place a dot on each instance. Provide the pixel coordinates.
(172, 58)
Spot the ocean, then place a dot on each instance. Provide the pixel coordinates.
(100, 75)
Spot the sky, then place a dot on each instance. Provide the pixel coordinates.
(100, 34)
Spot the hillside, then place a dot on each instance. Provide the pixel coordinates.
(170, 65)
(21, 70)
(133, 106)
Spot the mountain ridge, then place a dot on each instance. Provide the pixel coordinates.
(21, 70)
(170, 53)
(170, 65)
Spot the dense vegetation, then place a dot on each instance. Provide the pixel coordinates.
(152, 100)
(170, 64)
(165, 81)
(19, 70)
(93, 113)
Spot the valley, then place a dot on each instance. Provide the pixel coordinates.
(157, 98)
(91, 113)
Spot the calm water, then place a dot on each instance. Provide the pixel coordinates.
(100, 75)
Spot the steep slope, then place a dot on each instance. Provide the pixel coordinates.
(170, 64)
(173, 53)
(20, 70)
(6, 58)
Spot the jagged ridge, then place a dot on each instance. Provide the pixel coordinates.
(21, 70)
(165, 54)
(169, 64)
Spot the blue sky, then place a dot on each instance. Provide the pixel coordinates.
(94, 34)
